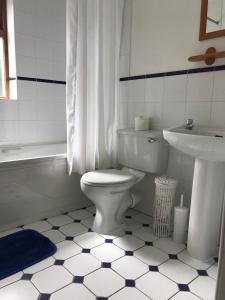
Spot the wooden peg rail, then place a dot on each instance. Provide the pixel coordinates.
(209, 57)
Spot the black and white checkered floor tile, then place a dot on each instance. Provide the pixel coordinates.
(132, 265)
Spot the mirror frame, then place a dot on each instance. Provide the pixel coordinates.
(203, 35)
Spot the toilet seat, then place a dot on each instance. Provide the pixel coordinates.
(107, 177)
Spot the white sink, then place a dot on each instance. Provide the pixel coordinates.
(207, 146)
(200, 142)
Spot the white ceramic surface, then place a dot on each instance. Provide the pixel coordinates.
(35, 179)
(109, 190)
(208, 148)
(200, 142)
(18, 153)
(143, 150)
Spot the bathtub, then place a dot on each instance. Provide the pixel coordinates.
(34, 184)
(21, 153)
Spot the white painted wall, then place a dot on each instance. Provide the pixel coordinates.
(165, 34)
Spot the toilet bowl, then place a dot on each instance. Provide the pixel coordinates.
(109, 190)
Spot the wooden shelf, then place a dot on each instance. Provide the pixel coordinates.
(209, 57)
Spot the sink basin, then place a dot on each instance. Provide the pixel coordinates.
(207, 146)
(200, 142)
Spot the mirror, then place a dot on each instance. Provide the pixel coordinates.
(212, 23)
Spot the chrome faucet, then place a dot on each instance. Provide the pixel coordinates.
(189, 124)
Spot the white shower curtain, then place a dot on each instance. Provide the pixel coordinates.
(93, 46)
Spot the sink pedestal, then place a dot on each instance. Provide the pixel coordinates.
(205, 212)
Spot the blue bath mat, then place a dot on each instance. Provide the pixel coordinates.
(23, 249)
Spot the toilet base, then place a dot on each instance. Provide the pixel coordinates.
(109, 230)
(109, 221)
(111, 202)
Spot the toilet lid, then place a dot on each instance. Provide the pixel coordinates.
(107, 177)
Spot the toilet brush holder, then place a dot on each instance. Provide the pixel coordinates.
(180, 222)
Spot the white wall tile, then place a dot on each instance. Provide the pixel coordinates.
(44, 91)
(136, 90)
(28, 132)
(200, 87)
(25, 23)
(123, 115)
(58, 92)
(58, 70)
(27, 111)
(25, 45)
(25, 6)
(59, 111)
(154, 111)
(26, 66)
(43, 27)
(44, 69)
(57, 30)
(45, 110)
(188, 167)
(219, 86)
(8, 110)
(175, 88)
(44, 8)
(43, 48)
(124, 91)
(57, 9)
(154, 89)
(199, 111)
(8, 132)
(51, 131)
(28, 90)
(218, 114)
(173, 114)
(58, 51)
(135, 109)
(175, 159)
(132, 91)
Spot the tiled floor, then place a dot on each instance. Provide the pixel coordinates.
(133, 265)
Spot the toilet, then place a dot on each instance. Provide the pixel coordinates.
(140, 152)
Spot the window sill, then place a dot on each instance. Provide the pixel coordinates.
(7, 99)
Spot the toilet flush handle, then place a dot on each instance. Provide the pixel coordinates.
(152, 140)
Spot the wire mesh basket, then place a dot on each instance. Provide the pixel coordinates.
(163, 205)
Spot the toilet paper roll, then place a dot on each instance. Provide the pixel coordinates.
(141, 123)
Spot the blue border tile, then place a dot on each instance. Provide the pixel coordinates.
(39, 80)
(175, 73)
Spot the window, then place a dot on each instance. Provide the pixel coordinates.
(4, 59)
